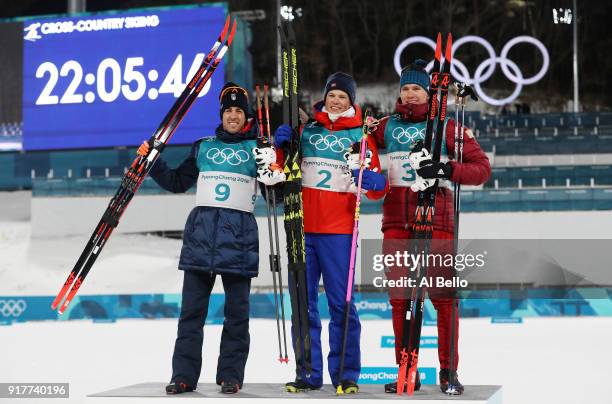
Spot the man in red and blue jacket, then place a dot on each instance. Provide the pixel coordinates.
(329, 209)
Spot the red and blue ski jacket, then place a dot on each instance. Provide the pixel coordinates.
(322, 141)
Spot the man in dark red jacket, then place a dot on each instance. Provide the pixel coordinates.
(398, 133)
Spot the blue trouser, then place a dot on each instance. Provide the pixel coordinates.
(328, 255)
(187, 358)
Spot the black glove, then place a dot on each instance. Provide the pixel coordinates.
(431, 169)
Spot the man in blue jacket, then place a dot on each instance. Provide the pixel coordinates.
(220, 238)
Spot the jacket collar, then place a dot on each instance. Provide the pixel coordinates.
(412, 112)
(341, 123)
(247, 133)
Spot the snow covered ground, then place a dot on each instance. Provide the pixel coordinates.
(129, 264)
(543, 360)
(133, 263)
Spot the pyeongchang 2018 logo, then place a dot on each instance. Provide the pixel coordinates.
(12, 307)
(373, 306)
(381, 375)
(36, 30)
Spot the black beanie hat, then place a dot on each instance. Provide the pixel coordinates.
(341, 81)
(232, 95)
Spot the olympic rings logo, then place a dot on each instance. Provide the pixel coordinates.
(227, 155)
(486, 69)
(409, 135)
(331, 142)
(12, 307)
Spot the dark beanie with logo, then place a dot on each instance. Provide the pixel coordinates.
(341, 81)
(232, 95)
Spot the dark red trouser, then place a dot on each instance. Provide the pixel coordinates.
(443, 307)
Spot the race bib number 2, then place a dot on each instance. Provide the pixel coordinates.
(325, 174)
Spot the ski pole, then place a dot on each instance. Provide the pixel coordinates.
(351, 272)
(272, 256)
(275, 220)
(463, 90)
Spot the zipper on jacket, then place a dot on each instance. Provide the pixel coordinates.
(214, 246)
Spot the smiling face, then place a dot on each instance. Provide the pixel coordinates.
(233, 120)
(337, 101)
(413, 94)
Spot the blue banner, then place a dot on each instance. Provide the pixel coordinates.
(152, 306)
(109, 79)
(382, 375)
(429, 341)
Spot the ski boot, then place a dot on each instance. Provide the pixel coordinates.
(299, 386)
(454, 388)
(230, 387)
(178, 388)
(347, 387)
(392, 387)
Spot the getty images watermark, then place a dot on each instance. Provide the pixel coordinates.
(563, 269)
(406, 264)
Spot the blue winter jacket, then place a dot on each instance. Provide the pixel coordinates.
(215, 240)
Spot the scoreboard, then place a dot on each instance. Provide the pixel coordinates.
(108, 79)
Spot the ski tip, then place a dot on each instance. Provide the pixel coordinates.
(439, 47)
(449, 46)
(231, 35)
(282, 33)
(225, 28)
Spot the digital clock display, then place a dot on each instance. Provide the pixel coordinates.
(108, 79)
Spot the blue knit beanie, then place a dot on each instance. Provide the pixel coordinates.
(415, 74)
(341, 81)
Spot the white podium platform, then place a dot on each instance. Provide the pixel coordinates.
(263, 392)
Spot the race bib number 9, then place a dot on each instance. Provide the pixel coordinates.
(226, 190)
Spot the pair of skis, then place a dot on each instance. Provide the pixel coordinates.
(424, 216)
(294, 212)
(270, 196)
(136, 173)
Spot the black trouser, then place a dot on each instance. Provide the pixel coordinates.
(187, 358)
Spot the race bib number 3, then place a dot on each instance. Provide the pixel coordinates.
(401, 173)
